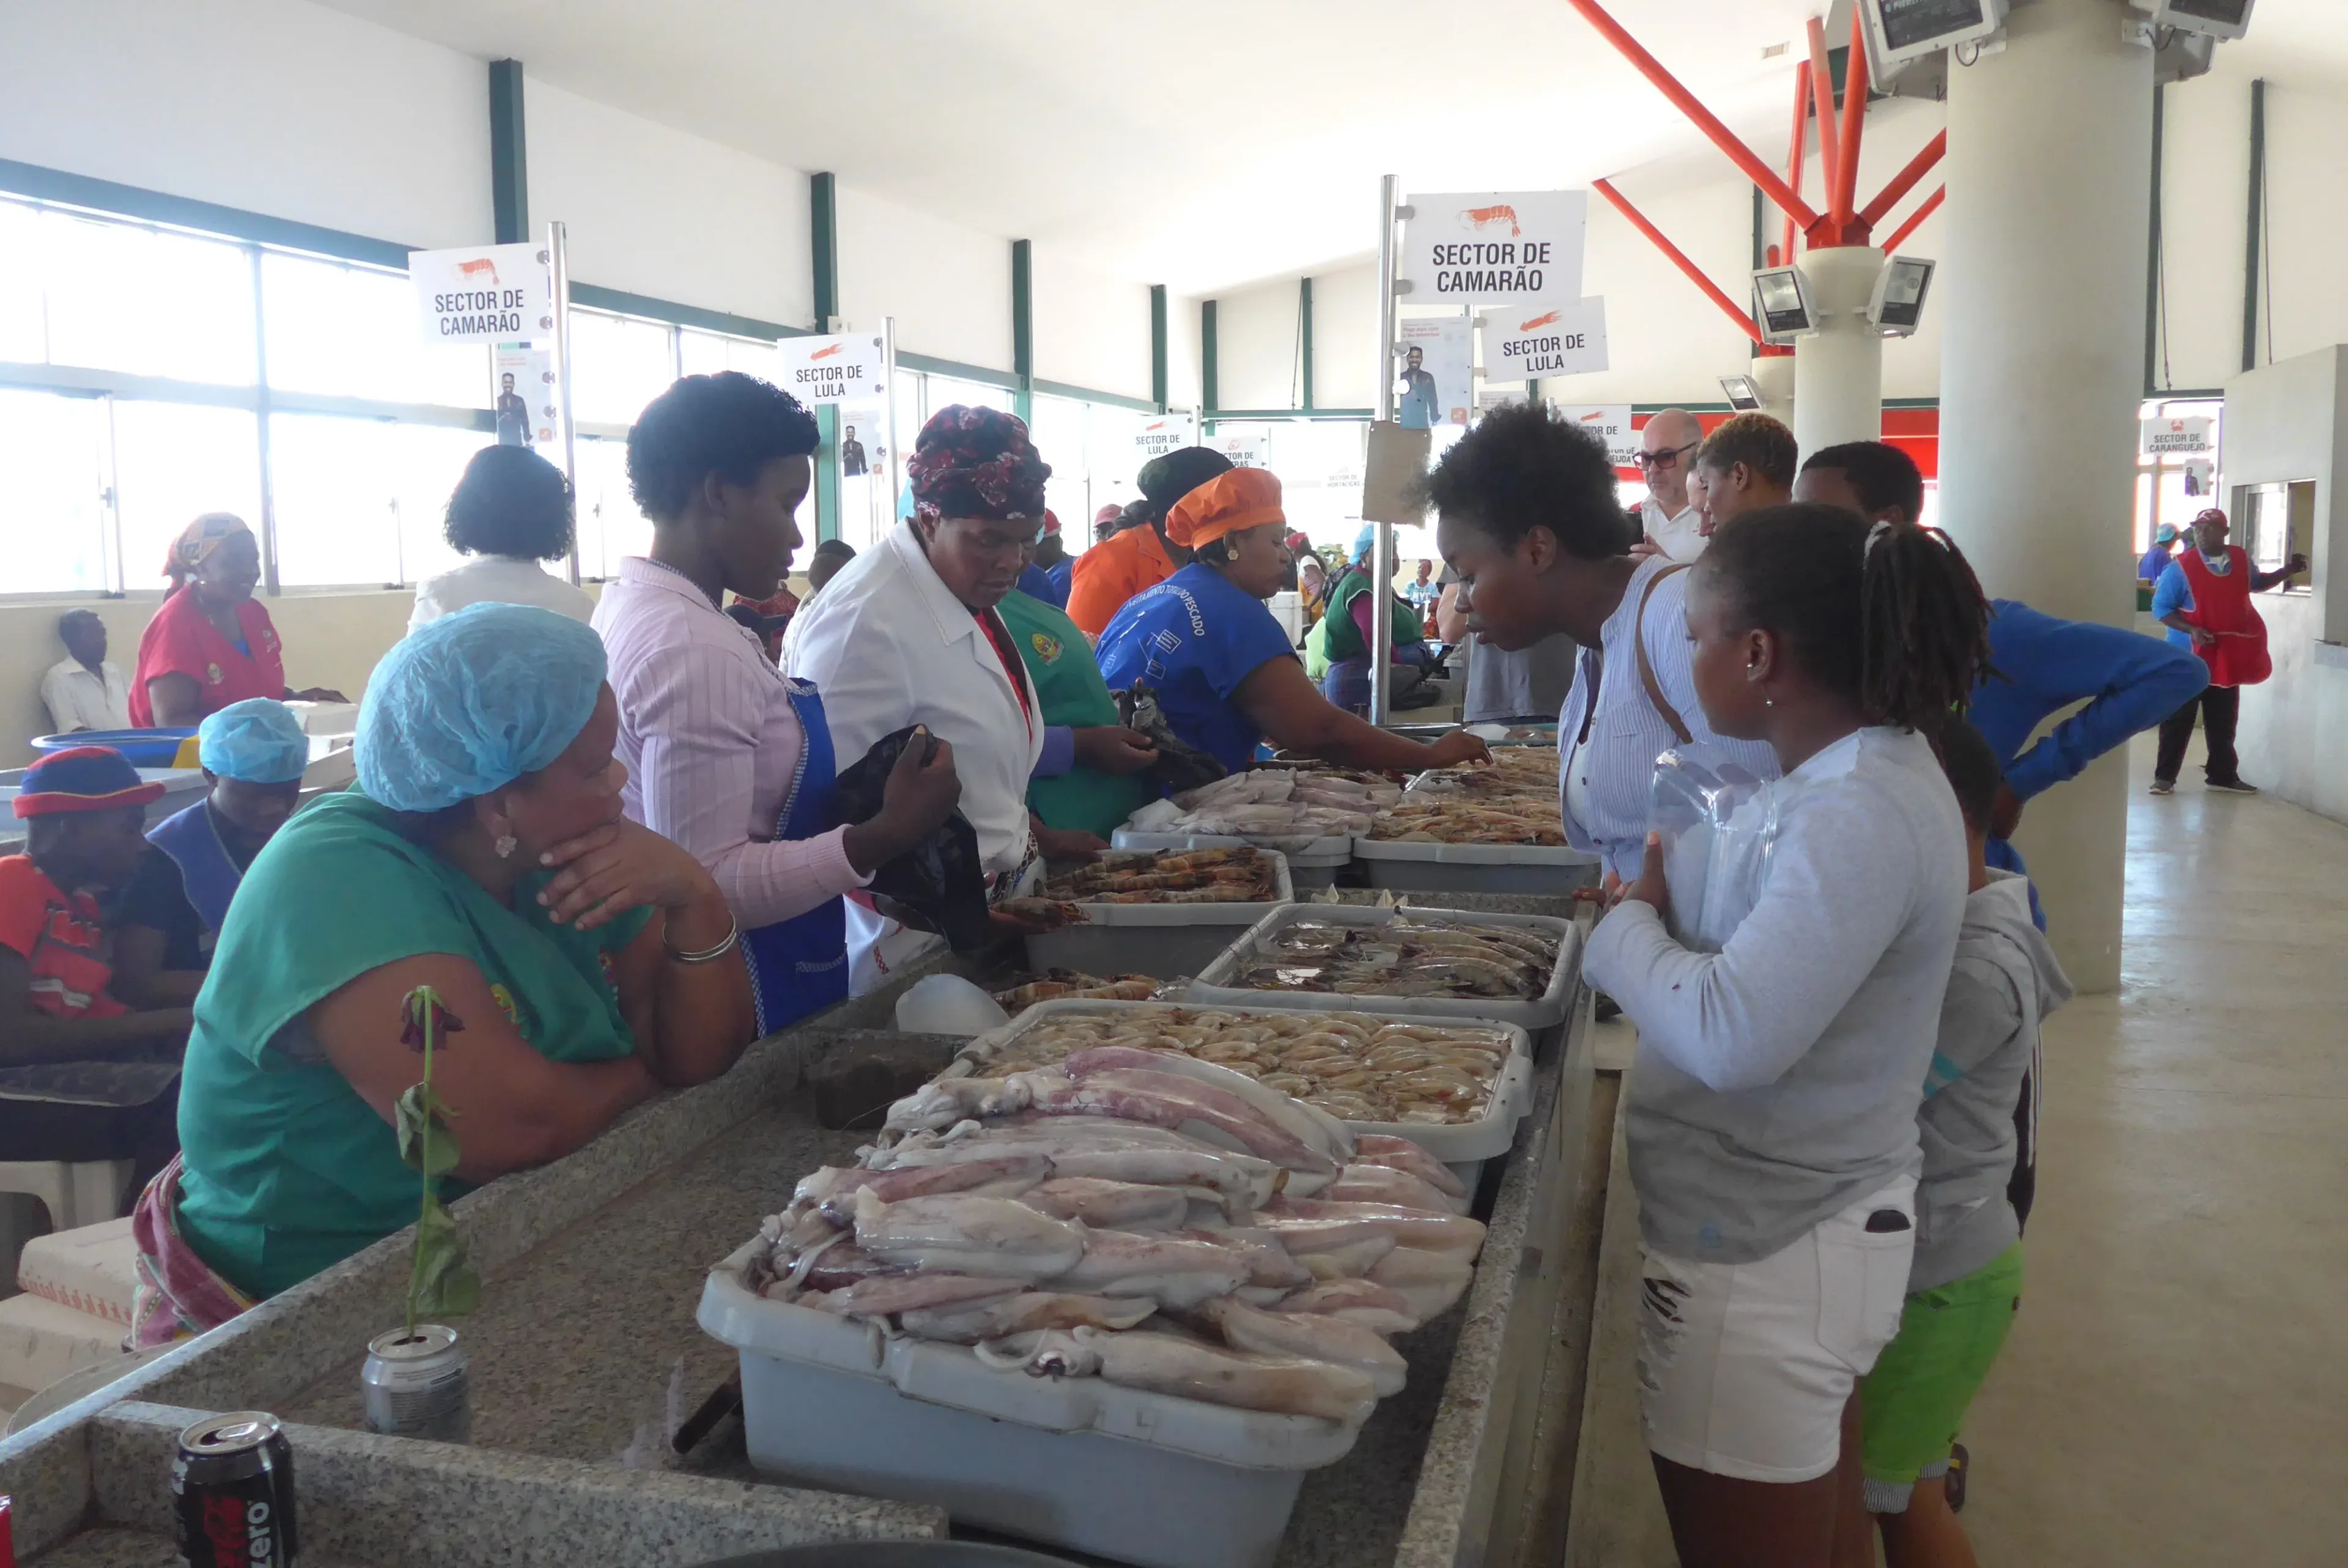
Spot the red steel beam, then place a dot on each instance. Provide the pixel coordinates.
(1845, 193)
(1822, 99)
(1899, 234)
(1678, 257)
(1877, 210)
(1794, 156)
(1760, 173)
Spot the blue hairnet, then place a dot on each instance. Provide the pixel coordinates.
(473, 701)
(1365, 541)
(257, 741)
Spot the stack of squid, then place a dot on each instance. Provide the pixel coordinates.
(1150, 1219)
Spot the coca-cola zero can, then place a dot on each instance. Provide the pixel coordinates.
(233, 1489)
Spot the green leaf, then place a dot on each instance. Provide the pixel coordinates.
(419, 1111)
(443, 1284)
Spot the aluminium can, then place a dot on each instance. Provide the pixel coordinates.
(417, 1387)
(233, 1493)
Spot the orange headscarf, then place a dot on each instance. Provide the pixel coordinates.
(1242, 499)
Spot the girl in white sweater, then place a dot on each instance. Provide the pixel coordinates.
(1772, 1122)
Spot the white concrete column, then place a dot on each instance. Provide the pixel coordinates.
(1838, 369)
(2042, 282)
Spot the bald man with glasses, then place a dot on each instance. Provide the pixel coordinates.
(1669, 518)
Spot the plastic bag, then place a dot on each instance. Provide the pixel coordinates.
(1181, 766)
(938, 885)
(1719, 825)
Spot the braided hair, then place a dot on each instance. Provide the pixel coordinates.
(1888, 614)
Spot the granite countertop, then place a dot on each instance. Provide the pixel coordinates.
(586, 1352)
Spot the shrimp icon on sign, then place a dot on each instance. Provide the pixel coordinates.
(1482, 217)
(474, 268)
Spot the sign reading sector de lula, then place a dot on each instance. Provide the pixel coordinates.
(484, 293)
(1498, 247)
(842, 367)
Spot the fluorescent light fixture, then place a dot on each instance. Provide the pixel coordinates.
(1899, 289)
(1900, 31)
(1781, 306)
(2216, 18)
(1743, 395)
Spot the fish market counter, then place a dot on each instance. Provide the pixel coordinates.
(586, 1356)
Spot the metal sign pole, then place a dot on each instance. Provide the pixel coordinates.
(559, 266)
(887, 521)
(1382, 551)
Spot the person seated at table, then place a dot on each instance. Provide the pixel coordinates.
(724, 754)
(1041, 578)
(1090, 775)
(85, 690)
(82, 1076)
(211, 643)
(1346, 632)
(1140, 554)
(588, 960)
(511, 511)
(1221, 662)
(253, 753)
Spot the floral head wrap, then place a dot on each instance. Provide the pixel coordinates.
(976, 463)
(197, 541)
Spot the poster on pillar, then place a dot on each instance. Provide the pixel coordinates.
(1435, 372)
(839, 369)
(1611, 423)
(1540, 341)
(529, 396)
(483, 293)
(1504, 247)
(1166, 433)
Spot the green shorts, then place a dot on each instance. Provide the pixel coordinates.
(1914, 1402)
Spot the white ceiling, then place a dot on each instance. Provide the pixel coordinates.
(1197, 143)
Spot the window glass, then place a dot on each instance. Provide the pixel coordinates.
(341, 330)
(1112, 458)
(707, 354)
(331, 483)
(172, 462)
(427, 461)
(24, 329)
(1058, 432)
(610, 525)
(128, 298)
(619, 365)
(52, 484)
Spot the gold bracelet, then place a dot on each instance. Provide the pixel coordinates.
(707, 955)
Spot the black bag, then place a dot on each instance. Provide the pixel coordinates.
(1181, 766)
(938, 885)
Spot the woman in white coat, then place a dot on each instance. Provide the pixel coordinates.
(908, 634)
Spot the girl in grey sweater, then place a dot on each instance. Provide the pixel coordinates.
(1772, 1118)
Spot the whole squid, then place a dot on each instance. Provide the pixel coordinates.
(1310, 1336)
(1165, 1364)
(968, 1323)
(1363, 1302)
(959, 1234)
(1164, 1100)
(1172, 1270)
(1362, 1184)
(1313, 1126)
(1110, 1206)
(1289, 1217)
(1429, 1281)
(1402, 1154)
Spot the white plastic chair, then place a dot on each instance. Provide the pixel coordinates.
(76, 1196)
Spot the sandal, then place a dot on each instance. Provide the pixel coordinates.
(1952, 1485)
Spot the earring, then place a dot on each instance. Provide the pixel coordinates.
(1769, 702)
(507, 843)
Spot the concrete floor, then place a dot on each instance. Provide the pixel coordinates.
(2176, 1390)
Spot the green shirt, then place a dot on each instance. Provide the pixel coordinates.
(287, 1171)
(1343, 639)
(1069, 689)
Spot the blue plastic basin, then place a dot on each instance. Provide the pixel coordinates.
(141, 748)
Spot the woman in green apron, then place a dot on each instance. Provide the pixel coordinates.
(1099, 779)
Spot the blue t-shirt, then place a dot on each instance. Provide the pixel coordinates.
(1194, 637)
(1038, 583)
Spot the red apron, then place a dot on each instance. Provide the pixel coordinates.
(2221, 604)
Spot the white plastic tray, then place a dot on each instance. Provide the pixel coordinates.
(1334, 850)
(1284, 891)
(1079, 1462)
(1550, 870)
(1459, 1143)
(1213, 988)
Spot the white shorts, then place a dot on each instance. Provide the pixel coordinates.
(1745, 1369)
